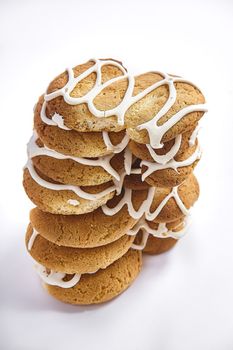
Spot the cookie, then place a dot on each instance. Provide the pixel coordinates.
(82, 231)
(176, 166)
(181, 147)
(78, 116)
(103, 285)
(169, 125)
(75, 260)
(158, 204)
(74, 143)
(156, 245)
(65, 202)
(73, 172)
(188, 193)
(154, 107)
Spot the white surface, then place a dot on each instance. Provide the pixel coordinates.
(183, 299)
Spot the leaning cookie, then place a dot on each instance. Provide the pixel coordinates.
(64, 199)
(174, 106)
(74, 260)
(158, 204)
(154, 107)
(74, 170)
(170, 165)
(174, 203)
(157, 245)
(83, 231)
(101, 286)
(77, 144)
(74, 111)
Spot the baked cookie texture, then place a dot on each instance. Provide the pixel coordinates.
(103, 285)
(58, 202)
(110, 170)
(76, 260)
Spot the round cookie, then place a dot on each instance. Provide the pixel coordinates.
(71, 142)
(103, 285)
(146, 108)
(64, 202)
(68, 171)
(188, 193)
(167, 177)
(76, 260)
(82, 231)
(78, 117)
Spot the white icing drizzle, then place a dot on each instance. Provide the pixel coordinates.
(163, 159)
(145, 206)
(56, 278)
(32, 239)
(143, 242)
(127, 200)
(173, 164)
(56, 120)
(104, 162)
(117, 148)
(118, 179)
(73, 202)
(155, 132)
(128, 161)
(173, 194)
(161, 232)
(60, 187)
(193, 137)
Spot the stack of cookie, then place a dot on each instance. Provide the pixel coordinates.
(110, 171)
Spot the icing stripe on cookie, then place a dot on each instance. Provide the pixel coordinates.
(172, 164)
(155, 131)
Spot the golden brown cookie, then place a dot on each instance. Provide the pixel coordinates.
(188, 192)
(160, 204)
(64, 202)
(83, 231)
(103, 285)
(145, 109)
(68, 171)
(157, 245)
(78, 117)
(71, 142)
(167, 177)
(76, 260)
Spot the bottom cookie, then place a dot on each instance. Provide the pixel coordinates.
(103, 285)
(156, 245)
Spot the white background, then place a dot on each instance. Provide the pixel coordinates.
(182, 299)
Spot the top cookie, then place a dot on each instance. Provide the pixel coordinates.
(101, 96)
